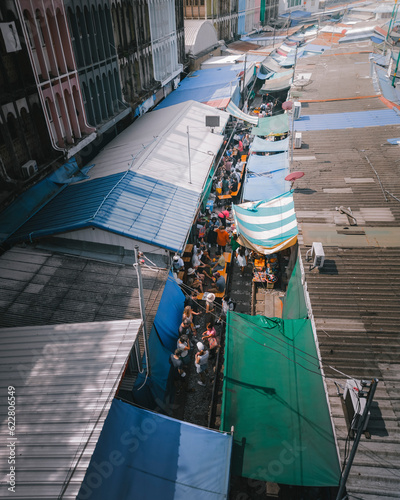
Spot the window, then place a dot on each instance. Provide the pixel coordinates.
(29, 31)
(39, 29)
(48, 110)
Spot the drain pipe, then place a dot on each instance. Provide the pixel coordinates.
(346, 472)
(138, 269)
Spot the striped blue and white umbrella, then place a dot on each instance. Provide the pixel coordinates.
(267, 226)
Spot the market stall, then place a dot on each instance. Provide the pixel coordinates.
(267, 229)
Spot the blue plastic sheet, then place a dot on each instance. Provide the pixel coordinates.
(206, 85)
(260, 164)
(146, 456)
(155, 390)
(169, 314)
(266, 186)
(32, 200)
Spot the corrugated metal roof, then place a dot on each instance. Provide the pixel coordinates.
(350, 60)
(156, 145)
(240, 46)
(360, 119)
(40, 287)
(129, 204)
(355, 296)
(65, 377)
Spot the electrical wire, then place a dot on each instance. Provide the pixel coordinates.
(270, 348)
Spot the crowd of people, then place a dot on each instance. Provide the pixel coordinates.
(206, 272)
(195, 348)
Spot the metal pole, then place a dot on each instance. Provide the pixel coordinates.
(292, 139)
(190, 163)
(395, 71)
(244, 81)
(142, 309)
(346, 472)
(292, 133)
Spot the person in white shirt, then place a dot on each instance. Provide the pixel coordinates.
(177, 263)
(201, 362)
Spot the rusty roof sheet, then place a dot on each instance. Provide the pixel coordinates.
(40, 287)
(355, 297)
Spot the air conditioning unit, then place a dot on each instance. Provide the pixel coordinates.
(29, 169)
(355, 400)
(296, 110)
(297, 140)
(317, 255)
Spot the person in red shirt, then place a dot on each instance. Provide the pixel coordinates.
(222, 238)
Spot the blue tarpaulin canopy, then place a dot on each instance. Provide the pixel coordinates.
(215, 86)
(263, 146)
(154, 390)
(260, 164)
(147, 456)
(169, 314)
(265, 177)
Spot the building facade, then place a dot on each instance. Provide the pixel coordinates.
(75, 72)
(94, 47)
(25, 146)
(222, 13)
(53, 62)
(232, 18)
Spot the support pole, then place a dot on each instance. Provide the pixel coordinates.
(244, 81)
(292, 139)
(142, 309)
(292, 132)
(346, 472)
(190, 163)
(395, 71)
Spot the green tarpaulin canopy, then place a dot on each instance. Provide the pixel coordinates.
(294, 304)
(273, 395)
(278, 124)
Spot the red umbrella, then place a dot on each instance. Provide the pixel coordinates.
(287, 105)
(294, 175)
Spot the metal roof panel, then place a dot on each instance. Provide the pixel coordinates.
(359, 119)
(355, 296)
(65, 377)
(127, 203)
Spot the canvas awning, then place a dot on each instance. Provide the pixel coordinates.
(146, 455)
(263, 146)
(265, 185)
(233, 110)
(267, 227)
(278, 83)
(260, 164)
(278, 124)
(265, 177)
(273, 395)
